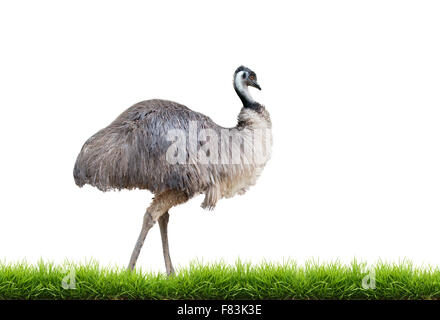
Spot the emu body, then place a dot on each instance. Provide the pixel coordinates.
(132, 153)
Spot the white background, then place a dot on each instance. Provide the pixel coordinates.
(353, 91)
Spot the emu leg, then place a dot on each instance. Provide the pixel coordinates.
(160, 205)
(163, 225)
(146, 226)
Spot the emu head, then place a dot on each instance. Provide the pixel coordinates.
(244, 78)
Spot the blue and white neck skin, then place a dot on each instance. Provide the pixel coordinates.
(242, 90)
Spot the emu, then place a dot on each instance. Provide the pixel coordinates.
(136, 152)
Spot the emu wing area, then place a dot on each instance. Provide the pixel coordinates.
(131, 152)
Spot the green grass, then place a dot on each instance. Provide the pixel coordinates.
(221, 281)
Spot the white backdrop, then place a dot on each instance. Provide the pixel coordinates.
(352, 88)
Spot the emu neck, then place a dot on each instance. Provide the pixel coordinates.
(254, 118)
(244, 95)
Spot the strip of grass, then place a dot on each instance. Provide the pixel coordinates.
(221, 281)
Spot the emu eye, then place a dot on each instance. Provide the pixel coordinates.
(252, 77)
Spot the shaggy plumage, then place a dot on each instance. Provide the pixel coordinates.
(131, 153)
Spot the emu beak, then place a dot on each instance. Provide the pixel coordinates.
(256, 85)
